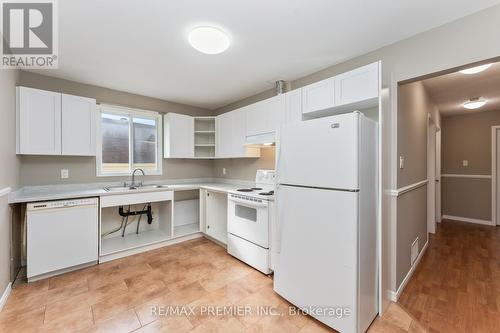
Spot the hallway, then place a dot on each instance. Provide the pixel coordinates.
(456, 287)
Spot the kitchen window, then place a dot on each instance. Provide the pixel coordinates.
(128, 139)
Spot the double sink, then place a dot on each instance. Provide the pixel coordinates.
(125, 188)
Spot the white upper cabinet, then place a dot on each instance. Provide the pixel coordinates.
(38, 120)
(357, 85)
(350, 91)
(178, 136)
(318, 96)
(51, 123)
(78, 125)
(265, 116)
(230, 133)
(293, 106)
(224, 135)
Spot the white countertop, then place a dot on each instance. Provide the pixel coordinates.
(58, 192)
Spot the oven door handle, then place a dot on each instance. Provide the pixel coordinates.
(249, 203)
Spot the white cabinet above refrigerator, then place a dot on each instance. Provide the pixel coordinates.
(353, 90)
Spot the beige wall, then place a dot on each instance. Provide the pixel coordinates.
(414, 106)
(412, 223)
(467, 137)
(466, 197)
(245, 168)
(105, 95)
(9, 172)
(433, 51)
(46, 170)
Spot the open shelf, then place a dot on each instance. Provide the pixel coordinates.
(204, 124)
(133, 241)
(204, 137)
(186, 213)
(204, 151)
(186, 229)
(159, 230)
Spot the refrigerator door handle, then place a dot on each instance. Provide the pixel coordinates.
(278, 156)
(279, 223)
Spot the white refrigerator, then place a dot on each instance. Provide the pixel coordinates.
(326, 238)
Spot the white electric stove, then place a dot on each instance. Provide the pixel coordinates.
(250, 221)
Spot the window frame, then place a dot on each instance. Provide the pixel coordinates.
(131, 113)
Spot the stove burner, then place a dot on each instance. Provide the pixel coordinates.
(256, 188)
(267, 193)
(244, 190)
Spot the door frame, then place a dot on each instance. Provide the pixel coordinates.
(438, 175)
(431, 175)
(494, 132)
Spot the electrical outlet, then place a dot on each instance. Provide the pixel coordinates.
(224, 171)
(414, 251)
(401, 162)
(465, 163)
(64, 173)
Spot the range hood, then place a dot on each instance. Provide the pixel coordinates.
(260, 140)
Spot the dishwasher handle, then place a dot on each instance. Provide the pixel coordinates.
(37, 206)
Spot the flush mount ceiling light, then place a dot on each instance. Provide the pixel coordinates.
(208, 40)
(475, 70)
(474, 103)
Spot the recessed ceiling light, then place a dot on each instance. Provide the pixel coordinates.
(208, 40)
(475, 70)
(474, 103)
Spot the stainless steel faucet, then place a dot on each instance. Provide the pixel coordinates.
(133, 184)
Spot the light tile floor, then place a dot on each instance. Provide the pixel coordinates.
(117, 297)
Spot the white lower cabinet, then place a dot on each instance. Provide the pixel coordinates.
(216, 215)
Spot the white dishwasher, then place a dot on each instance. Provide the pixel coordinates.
(60, 235)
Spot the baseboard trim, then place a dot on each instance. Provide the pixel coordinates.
(5, 295)
(395, 295)
(467, 219)
(391, 295)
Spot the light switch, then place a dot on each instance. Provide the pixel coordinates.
(465, 163)
(64, 173)
(401, 162)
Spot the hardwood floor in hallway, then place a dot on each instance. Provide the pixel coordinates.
(456, 287)
(118, 296)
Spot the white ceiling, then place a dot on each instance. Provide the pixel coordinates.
(451, 91)
(141, 47)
